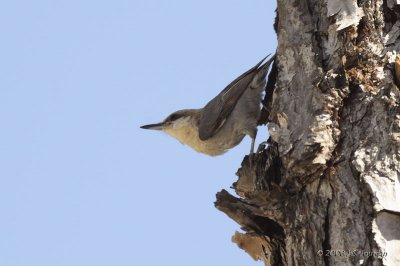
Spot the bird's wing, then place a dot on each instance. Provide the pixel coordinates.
(214, 114)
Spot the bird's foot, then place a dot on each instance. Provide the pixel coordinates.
(261, 146)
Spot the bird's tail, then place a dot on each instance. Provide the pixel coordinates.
(263, 69)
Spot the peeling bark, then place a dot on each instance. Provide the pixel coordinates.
(326, 189)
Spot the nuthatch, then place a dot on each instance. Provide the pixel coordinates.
(225, 120)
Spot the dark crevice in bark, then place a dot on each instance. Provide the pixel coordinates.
(272, 175)
(269, 227)
(318, 40)
(277, 259)
(361, 3)
(391, 15)
(361, 29)
(276, 22)
(326, 244)
(309, 7)
(269, 92)
(243, 213)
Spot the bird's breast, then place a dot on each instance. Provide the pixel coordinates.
(188, 134)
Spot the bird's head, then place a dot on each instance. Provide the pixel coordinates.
(177, 123)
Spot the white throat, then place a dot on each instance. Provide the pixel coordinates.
(184, 130)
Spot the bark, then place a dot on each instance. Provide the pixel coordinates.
(325, 190)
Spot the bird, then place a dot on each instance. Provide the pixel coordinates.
(225, 120)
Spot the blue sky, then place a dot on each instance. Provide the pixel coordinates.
(80, 182)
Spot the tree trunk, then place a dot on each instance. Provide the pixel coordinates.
(326, 189)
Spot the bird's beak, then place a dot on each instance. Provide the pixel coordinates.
(158, 126)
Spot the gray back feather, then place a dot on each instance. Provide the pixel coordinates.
(215, 113)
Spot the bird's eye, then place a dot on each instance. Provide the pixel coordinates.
(173, 117)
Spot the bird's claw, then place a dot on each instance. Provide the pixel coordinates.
(261, 146)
